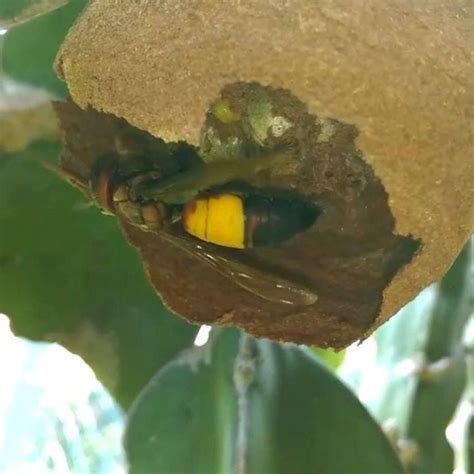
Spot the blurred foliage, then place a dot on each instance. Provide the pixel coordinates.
(9, 9)
(67, 275)
(441, 378)
(470, 444)
(416, 374)
(461, 432)
(13, 12)
(331, 358)
(21, 127)
(246, 405)
(30, 48)
(57, 415)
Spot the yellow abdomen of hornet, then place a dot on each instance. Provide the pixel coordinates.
(218, 219)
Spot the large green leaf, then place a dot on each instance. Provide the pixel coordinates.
(29, 49)
(418, 362)
(67, 275)
(240, 405)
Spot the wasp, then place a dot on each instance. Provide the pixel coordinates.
(215, 208)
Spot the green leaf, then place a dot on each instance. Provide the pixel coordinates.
(255, 407)
(417, 358)
(438, 392)
(382, 358)
(29, 49)
(67, 275)
(9, 9)
(15, 11)
(329, 357)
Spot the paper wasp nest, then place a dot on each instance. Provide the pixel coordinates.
(378, 100)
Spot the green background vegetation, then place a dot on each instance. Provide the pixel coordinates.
(67, 275)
